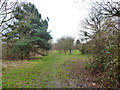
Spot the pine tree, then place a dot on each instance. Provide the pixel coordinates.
(29, 31)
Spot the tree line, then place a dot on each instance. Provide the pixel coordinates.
(64, 44)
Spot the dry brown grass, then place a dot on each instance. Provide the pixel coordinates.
(16, 64)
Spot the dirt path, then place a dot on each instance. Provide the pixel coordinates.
(62, 82)
(78, 76)
(70, 80)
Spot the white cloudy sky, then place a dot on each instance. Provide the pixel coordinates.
(64, 15)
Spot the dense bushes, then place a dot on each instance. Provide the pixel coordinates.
(104, 45)
(105, 56)
(9, 55)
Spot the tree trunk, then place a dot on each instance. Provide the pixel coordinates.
(83, 51)
(70, 51)
(34, 54)
(21, 55)
(27, 55)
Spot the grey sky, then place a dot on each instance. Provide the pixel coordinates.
(65, 15)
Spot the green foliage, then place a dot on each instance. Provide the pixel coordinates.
(29, 31)
(90, 66)
(105, 57)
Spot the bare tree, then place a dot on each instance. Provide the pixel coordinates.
(65, 43)
(69, 43)
(110, 8)
(7, 7)
(61, 44)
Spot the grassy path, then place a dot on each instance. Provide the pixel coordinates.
(49, 72)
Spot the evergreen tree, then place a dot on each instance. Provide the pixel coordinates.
(29, 31)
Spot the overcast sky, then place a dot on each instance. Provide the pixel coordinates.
(64, 16)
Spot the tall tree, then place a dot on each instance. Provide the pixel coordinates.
(70, 43)
(29, 31)
(61, 44)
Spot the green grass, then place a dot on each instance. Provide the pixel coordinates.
(39, 72)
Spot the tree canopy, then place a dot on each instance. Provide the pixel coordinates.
(65, 43)
(28, 32)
